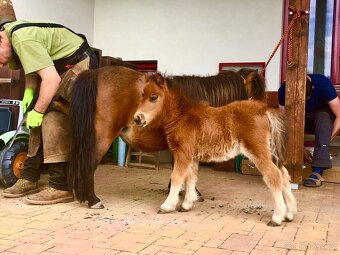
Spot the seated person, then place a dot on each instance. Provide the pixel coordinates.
(322, 117)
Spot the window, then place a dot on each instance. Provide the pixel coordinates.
(323, 39)
(237, 66)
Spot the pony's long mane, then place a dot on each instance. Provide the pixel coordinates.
(217, 90)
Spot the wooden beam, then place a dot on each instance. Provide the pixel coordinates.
(296, 90)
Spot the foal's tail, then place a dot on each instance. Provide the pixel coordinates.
(82, 119)
(278, 135)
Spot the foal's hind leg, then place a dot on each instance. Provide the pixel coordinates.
(288, 195)
(190, 188)
(273, 178)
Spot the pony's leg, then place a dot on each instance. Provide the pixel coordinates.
(288, 195)
(190, 191)
(178, 176)
(273, 178)
(104, 139)
(93, 201)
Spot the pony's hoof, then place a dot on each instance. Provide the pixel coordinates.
(273, 224)
(98, 205)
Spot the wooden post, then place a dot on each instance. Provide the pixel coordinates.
(296, 91)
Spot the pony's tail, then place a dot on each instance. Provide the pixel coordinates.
(82, 118)
(278, 135)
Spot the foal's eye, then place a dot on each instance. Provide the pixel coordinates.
(153, 98)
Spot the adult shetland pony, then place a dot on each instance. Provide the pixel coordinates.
(218, 90)
(103, 102)
(197, 132)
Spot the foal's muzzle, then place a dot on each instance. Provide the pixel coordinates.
(140, 120)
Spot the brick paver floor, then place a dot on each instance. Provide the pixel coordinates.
(231, 220)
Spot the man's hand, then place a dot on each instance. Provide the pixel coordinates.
(335, 107)
(27, 99)
(34, 119)
(307, 156)
(336, 127)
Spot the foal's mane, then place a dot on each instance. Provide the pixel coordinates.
(217, 90)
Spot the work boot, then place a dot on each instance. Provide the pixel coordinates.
(50, 196)
(21, 188)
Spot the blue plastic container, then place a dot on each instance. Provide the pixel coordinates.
(121, 152)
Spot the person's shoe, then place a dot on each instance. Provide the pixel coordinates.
(21, 188)
(50, 196)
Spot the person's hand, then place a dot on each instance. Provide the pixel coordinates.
(27, 99)
(307, 156)
(34, 119)
(336, 127)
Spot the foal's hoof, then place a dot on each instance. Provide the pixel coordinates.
(161, 211)
(273, 224)
(98, 205)
(183, 209)
(200, 199)
(287, 219)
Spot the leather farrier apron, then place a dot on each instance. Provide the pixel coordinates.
(54, 132)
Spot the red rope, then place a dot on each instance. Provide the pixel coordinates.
(289, 29)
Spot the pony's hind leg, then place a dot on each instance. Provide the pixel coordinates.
(191, 194)
(288, 195)
(273, 178)
(104, 138)
(93, 201)
(178, 176)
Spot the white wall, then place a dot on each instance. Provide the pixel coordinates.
(76, 14)
(191, 36)
(185, 36)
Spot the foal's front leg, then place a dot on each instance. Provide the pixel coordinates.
(190, 188)
(178, 176)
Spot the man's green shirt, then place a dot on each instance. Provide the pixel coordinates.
(37, 47)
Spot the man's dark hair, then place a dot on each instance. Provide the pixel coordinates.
(309, 87)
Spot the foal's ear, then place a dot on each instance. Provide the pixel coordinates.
(158, 79)
(141, 82)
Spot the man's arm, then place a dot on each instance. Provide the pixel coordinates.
(335, 107)
(31, 81)
(50, 82)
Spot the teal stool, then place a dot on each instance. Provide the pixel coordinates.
(238, 161)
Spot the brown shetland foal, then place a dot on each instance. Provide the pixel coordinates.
(103, 103)
(197, 132)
